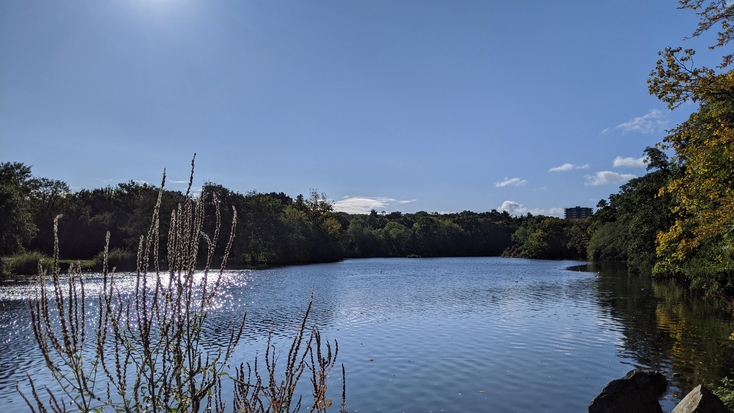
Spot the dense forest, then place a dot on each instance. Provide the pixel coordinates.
(273, 228)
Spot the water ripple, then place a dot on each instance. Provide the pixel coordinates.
(478, 334)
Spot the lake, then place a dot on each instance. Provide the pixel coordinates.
(455, 334)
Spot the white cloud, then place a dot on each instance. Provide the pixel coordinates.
(568, 167)
(511, 182)
(607, 177)
(562, 168)
(630, 162)
(649, 123)
(556, 212)
(363, 205)
(510, 206)
(514, 208)
(604, 131)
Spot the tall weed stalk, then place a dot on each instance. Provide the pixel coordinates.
(145, 350)
(268, 391)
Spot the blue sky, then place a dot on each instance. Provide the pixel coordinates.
(440, 106)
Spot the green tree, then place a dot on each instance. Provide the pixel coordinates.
(16, 218)
(364, 241)
(398, 239)
(625, 228)
(548, 238)
(49, 198)
(425, 233)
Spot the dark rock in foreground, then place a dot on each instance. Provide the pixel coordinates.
(637, 392)
(701, 400)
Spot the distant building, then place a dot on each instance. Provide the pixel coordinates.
(578, 212)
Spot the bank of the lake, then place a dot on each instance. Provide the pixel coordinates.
(455, 334)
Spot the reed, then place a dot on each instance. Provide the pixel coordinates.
(145, 350)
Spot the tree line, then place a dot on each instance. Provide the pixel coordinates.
(277, 229)
(273, 228)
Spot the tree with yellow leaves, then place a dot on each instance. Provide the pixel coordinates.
(699, 243)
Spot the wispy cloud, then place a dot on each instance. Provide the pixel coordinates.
(630, 162)
(511, 182)
(363, 205)
(178, 182)
(653, 121)
(604, 131)
(515, 208)
(557, 212)
(607, 177)
(563, 168)
(568, 167)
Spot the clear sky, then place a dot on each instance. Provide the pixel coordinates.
(440, 106)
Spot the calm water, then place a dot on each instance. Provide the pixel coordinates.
(455, 334)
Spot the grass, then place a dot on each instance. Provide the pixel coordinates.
(27, 263)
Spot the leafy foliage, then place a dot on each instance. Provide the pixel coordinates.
(27, 262)
(16, 219)
(626, 226)
(698, 244)
(275, 229)
(675, 79)
(725, 392)
(429, 235)
(715, 12)
(549, 238)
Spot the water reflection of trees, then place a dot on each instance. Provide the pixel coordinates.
(668, 327)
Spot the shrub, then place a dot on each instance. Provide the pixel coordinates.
(4, 268)
(725, 391)
(27, 263)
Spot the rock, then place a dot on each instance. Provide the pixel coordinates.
(637, 392)
(701, 400)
